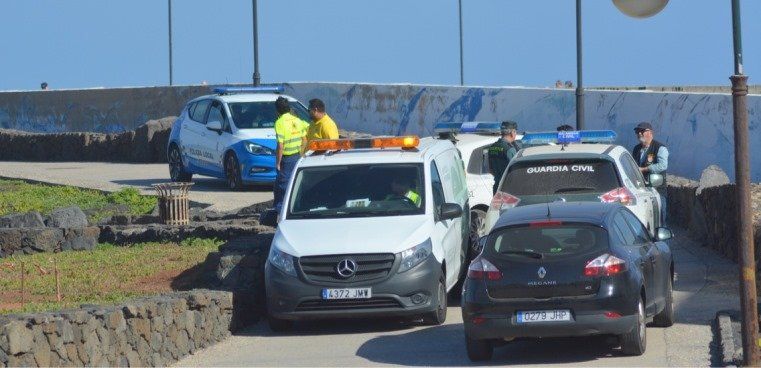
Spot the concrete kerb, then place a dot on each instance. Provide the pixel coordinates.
(725, 339)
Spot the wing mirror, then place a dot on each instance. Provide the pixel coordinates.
(656, 180)
(663, 233)
(449, 211)
(214, 125)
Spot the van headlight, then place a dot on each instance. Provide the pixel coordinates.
(282, 261)
(256, 149)
(415, 255)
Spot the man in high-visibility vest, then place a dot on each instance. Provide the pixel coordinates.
(291, 139)
(401, 188)
(322, 127)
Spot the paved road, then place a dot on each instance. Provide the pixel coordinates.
(705, 284)
(114, 176)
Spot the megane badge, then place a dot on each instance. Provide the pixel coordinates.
(346, 268)
(542, 272)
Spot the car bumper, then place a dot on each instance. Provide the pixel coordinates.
(257, 169)
(498, 327)
(297, 298)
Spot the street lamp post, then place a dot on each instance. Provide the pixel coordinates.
(579, 81)
(169, 6)
(748, 299)
(459, 9)
(257, 76)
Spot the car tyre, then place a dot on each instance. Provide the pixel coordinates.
(232, 172)
(477, 227)
(666, 317)
(438, 316)
(634, 342)
(279, 325)
(478, 350)
(177, 170)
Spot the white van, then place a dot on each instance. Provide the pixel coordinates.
(375, 228)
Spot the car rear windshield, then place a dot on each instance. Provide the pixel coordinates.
(555, 240)
(362, 190)
(254, 115)
(560, 176)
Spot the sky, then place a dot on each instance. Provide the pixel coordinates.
(122, 43)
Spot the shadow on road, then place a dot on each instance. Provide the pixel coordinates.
(424, 348)
(200, 184)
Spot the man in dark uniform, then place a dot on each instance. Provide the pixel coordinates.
(652, 157)
(503, 150)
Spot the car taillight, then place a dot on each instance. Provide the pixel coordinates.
(623, 195)
(502, 200)
(605, 265)
(482, 269)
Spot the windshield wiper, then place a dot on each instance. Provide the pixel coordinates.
(526, 253)
(574, 189)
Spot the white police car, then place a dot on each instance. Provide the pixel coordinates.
(229, 135)
(570, 172)
(473, 139)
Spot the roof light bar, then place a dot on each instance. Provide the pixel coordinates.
(405, 142)
(482, 127)
(566, 137)
(263, 89)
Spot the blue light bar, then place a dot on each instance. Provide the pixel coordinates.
(263, 89)
(482, 127)
(566, 137)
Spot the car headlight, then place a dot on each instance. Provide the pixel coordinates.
(415, 255)
(282, 261)
(257, 149)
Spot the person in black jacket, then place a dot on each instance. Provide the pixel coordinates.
(652, 157)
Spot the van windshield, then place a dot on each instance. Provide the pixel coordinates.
(364, 190)
(255, 115)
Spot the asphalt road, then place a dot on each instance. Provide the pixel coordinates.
(705, 284)
(114, 176)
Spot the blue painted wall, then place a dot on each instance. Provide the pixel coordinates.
(697, 127)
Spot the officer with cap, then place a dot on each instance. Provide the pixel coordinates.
(503, 150)
(652, 156)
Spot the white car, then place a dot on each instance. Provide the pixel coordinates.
(473, 139)
(577, 172)
(379, 228)
(228, 135)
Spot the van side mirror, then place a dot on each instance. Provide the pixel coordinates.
(663, 233)
(656, 180)
(449, 211)
(214, 125)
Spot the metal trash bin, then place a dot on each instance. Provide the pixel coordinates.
(174, 206)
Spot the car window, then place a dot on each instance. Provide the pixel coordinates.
(216, 113)
(478, 164)
(436, 187)
(568, 176)
(555, 240)
(198, 113)
(459, 187)
(359, 190)
(624, 230)
(631, 170)
(640, 233)
(262, 114)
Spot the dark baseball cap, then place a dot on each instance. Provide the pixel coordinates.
(508, 125)
(643, 126)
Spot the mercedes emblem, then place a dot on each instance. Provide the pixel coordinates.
(346, 268)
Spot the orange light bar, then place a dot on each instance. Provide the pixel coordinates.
(410, 141)
(330, 144)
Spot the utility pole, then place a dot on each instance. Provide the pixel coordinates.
(748, 299)
(171, 79)
(579, 81)
(257, 76)
(462, 78)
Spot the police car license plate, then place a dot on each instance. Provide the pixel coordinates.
(544, 316)
(348, 293)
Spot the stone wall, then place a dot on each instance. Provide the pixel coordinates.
(64, 229)
(147, 143)
(154, 331)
